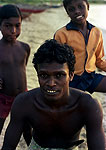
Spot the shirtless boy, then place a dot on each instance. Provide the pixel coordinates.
(56, 112)
(14, 56)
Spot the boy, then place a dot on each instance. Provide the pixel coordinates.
(13, 60)
(87, 43)
(56, 112)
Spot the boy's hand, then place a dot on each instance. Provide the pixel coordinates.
(1, 83)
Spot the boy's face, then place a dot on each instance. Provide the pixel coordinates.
(78, 11)
(11, 28)
(54, 80)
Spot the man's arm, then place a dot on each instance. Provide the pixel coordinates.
(14, 129)
(94, 129)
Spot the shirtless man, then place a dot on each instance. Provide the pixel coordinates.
(56, 112)
(14, 56)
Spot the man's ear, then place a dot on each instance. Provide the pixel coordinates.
(71, 76)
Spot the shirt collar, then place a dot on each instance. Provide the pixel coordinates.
(71, 26)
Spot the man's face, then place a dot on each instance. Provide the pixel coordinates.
(78, 11)
(54, 80)
(11, 28)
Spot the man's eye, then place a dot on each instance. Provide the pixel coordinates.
(59, 75)
(43, 76)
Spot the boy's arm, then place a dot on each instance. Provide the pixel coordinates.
(14, 129)
(27, 49)
(28, 52)
(95, 133)
(100, 60)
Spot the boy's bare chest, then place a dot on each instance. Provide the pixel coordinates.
(10, 56)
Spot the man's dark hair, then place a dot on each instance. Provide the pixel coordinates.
(67, 2)
(8, 11)
(52, 51)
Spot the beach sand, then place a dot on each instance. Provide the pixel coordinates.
(35, 30)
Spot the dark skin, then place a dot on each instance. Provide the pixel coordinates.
(56, 112)
(78, 12)
(14, 56)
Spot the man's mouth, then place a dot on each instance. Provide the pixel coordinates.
(51, 91)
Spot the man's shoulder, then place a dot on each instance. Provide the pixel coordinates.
(26, 96)
(87, 104)
(85, 99)
(28, 93)
(24, 102)
(79, 93)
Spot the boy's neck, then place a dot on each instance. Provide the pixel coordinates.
(8, 42)
(83, 28)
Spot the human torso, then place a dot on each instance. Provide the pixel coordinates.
(59, 130)
(84, 49)
(56, 128)
(12, 69)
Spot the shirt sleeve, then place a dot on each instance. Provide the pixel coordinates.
(100, 60)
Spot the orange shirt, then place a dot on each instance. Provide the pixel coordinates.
(89, 54)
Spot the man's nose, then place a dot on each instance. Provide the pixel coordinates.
(51, 82)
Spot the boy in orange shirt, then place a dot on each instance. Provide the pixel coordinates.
(87, 41)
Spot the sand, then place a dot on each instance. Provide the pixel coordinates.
(35, 30)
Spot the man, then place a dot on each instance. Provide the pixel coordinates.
(56, 112)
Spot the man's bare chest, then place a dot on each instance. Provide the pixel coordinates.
(54, 124)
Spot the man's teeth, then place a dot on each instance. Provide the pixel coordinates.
(79, 17)
(50, 91)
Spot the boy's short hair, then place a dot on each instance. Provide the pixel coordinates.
(8, 11)
(52, 51)
(67, 2)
